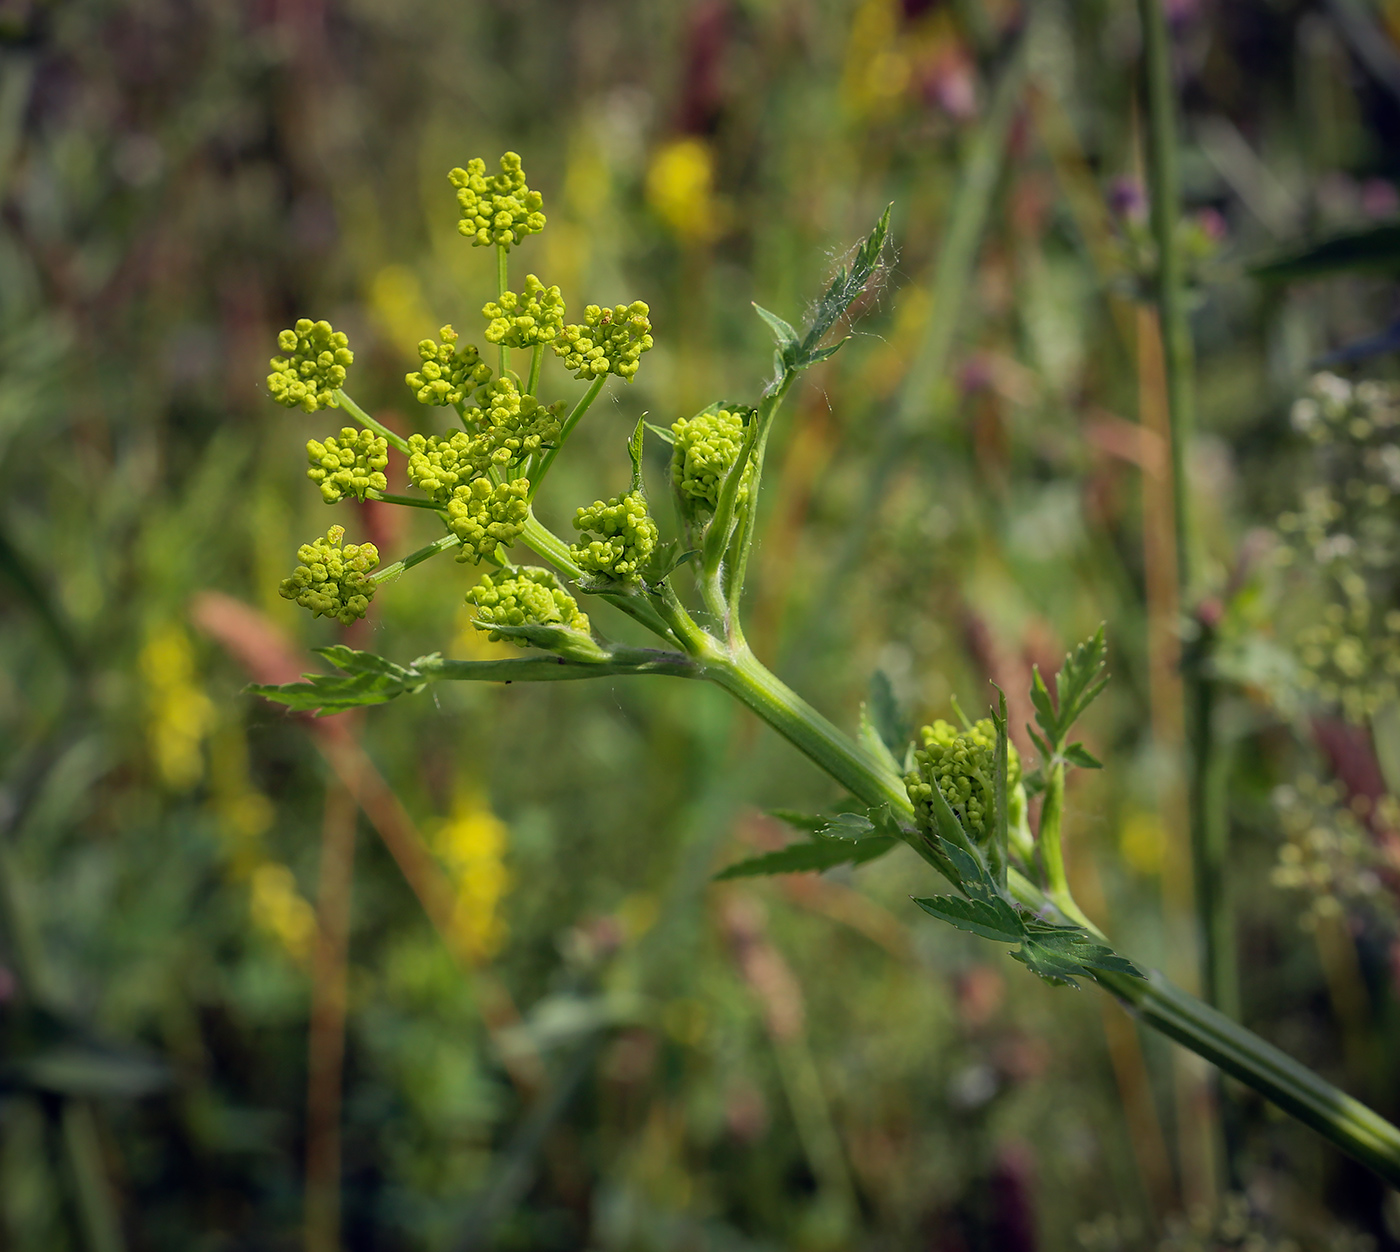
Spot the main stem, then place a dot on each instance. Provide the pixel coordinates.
(1349, 1124)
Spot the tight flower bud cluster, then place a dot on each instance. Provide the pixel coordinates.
(499, 209)
(348, 466)
(332, 581)
(627, 539)
(448, 374)
(610, 341)
(482, 515)
(527, 596)
(962, 765)
(312, 368)
(512, 425)
(522, 321)
(706, 447)
(508, 428)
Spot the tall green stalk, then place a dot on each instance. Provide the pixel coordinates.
(1208, 812)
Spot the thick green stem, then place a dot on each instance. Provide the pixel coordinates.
(566, 430)
(1052, 855)
(1357, 1130)
(1351, 1126)
(370, 423)
(502, 286)
(539, 668)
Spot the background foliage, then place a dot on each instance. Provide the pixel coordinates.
(558, 1033)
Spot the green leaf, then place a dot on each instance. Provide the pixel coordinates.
(1077, 685)
(808, 823)
(801, 858)
(662, 433)
(558, 639)
(1001, 826)
(634, 450)
(1374, 249)
(972, 877)
(885, 714)
(848, 826)
(367, 679)
(782, 331)
(1078, 754)
(846, 287)
(877, 822)
(992, 919)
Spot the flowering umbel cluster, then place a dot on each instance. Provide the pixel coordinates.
(348, 466)
(526, 596)
(332, 581)
(485, 517)
(312, 367)
(961, 764)
(627, 537)
(497, 209)
(478, 480)
(448, 374)
(706, 447)
(522, 321)
(610, 341)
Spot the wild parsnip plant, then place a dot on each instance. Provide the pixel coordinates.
(958, 796)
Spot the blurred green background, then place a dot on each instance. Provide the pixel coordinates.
(556, 1032)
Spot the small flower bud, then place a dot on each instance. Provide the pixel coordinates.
(962, 765)
(628, 536)
(610, 341)
(526, 596)
(448, 373)
(348, 466)
(332, 581)
(313, 368)
(522, 321)
(499, 209)
(482, 515)
(706, 448)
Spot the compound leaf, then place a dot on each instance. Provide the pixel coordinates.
(818, 855)
(366, 679)
(992, 919)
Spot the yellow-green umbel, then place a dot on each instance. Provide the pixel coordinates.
(522, 321)
(496, 208)
(627, 537)
(525, 596)
(609, 341)
(332, 581)
(312, 367)
(482, 515)
(961, 764)
(514, 425)
(348, 466)
(706, 448)
(448, 373)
